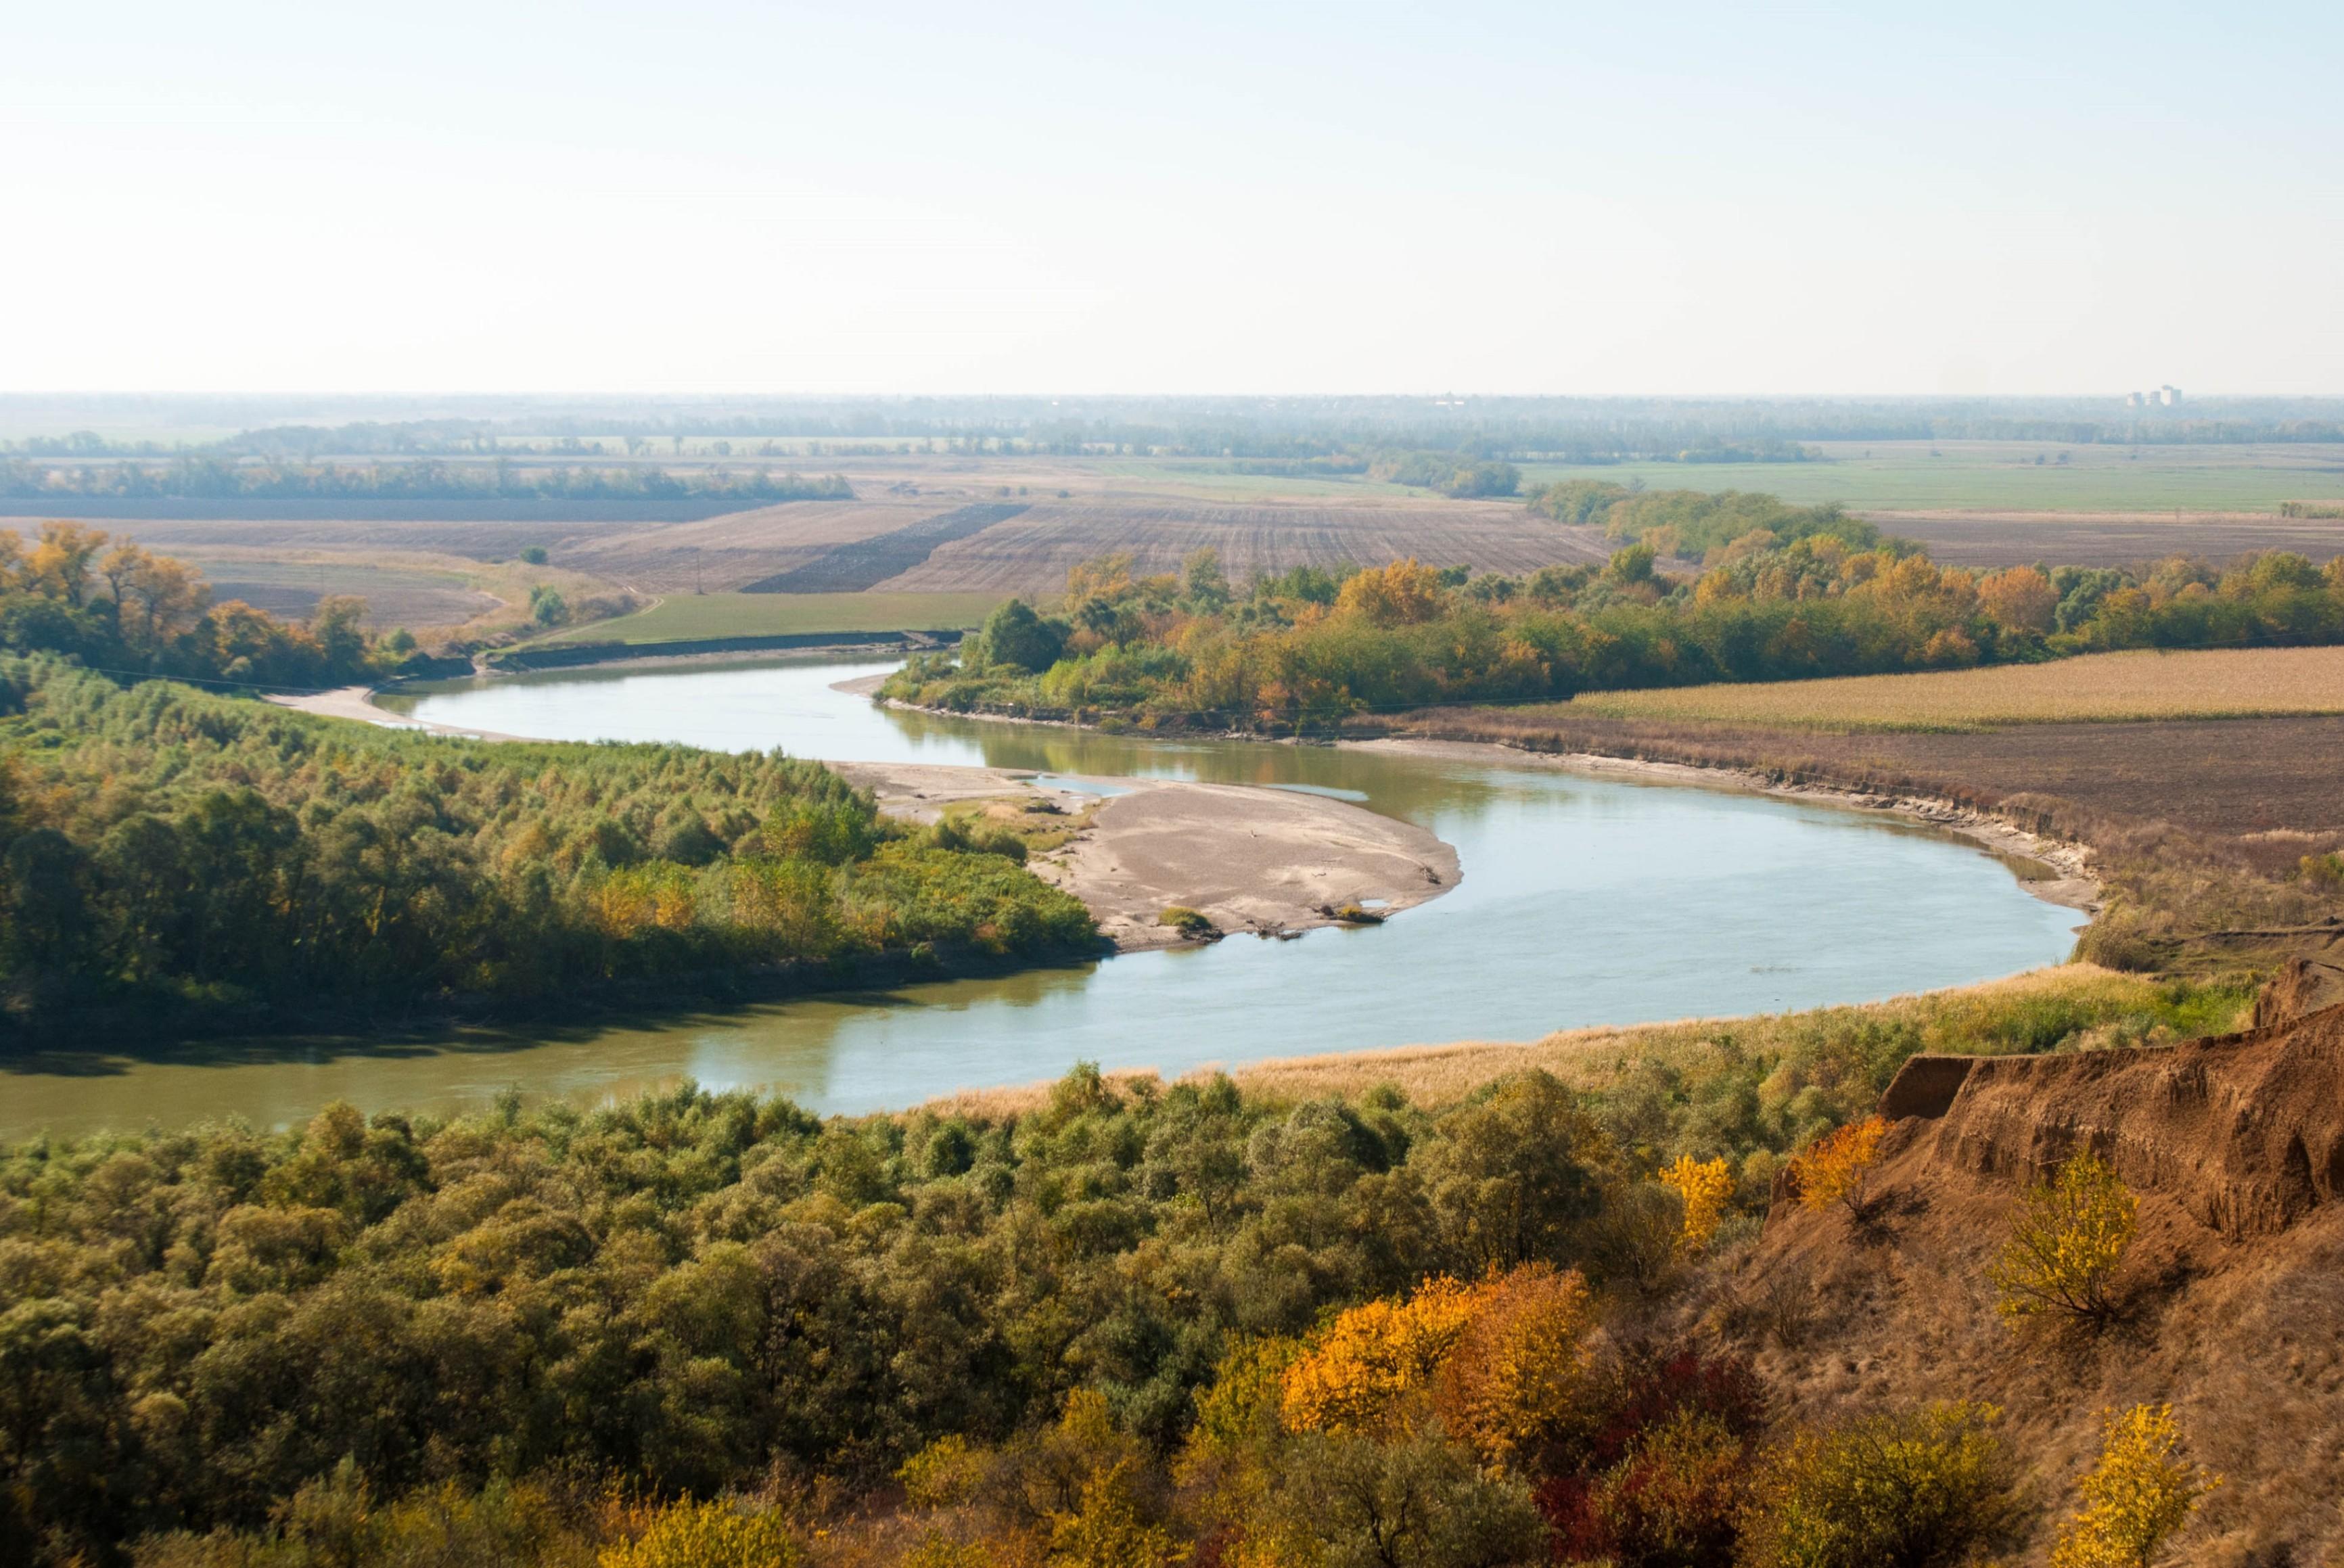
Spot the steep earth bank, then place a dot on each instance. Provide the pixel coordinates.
(2232, 1292)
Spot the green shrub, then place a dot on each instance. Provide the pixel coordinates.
(1188, 922)
(1918, 1490)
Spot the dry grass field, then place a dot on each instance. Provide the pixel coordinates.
(2221, 684)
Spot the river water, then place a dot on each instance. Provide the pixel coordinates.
(1584, 901)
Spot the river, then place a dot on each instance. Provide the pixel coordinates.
(1584, 901)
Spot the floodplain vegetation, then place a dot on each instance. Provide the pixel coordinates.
(1125, 1324)
(1783, 592)
(178, 858)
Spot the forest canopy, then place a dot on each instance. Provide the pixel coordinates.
(1148, 1318)
(177, 857)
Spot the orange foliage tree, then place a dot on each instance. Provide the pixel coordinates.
(1504, 1363)
(1519, 1375)
(1404, 593)
(1349, 1378)
(1836, 1166)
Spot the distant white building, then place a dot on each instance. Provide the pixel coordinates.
(2168, 396)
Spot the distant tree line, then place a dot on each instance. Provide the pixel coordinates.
(208, 478)
(1239, 429)
(1783, 593)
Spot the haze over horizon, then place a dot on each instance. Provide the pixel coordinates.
(1499, 199)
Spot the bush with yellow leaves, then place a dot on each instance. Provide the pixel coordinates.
(1706, 1186)
(1350, 1377)
(2068, 1237)
(2136, 1498)
(1836, 1166)
(690, 1534)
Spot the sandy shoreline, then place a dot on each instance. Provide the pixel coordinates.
(2073, 885)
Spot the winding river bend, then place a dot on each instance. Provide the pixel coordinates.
(1584, 901)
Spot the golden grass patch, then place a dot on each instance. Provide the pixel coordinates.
(2221, 683)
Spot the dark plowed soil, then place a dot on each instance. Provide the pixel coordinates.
(868, 562)
(2225, 775)
(1984, 539)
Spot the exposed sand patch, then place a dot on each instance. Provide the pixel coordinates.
(1249, 860)
(358, 703)
(1257, 860)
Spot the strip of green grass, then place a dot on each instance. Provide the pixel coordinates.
(687, 617)
(2003, 475)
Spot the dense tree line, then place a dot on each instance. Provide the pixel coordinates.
(1783, 592)
(1108, 1319)
(127, 610)
(174, 855)
(213, 477)
(1447, 473)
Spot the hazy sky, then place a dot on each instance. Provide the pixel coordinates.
(689, 195)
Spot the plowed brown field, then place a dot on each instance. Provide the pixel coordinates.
(2106, 538)
(1030, 553)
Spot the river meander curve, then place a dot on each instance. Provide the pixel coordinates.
(1584, 901)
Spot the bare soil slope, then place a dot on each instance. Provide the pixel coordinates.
(2233, 1290)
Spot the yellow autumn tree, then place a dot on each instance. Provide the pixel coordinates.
(1404, 593)
(1110, 1528)
(2136, 1498)
(2065, 1242)
(691, 1534)
(1350, 1378)
(1705, 1186)
(1517, 1375)
(1836, 1166)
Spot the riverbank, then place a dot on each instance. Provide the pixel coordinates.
(1259, 862)
(2075, 1005)
(2056, 869)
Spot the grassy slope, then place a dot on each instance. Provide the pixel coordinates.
(2146, 685)
(1903, 476)
(685, 616)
